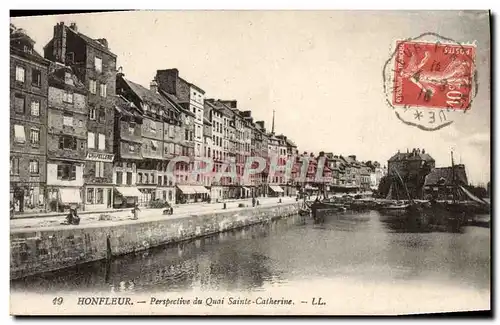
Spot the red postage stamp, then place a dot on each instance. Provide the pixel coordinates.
(433, 75)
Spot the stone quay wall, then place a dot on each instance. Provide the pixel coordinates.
(39, 250)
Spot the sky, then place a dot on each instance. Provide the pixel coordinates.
(321, 71)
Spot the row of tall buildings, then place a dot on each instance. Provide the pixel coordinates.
(84, 134)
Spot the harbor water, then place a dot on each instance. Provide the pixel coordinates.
(360, 257)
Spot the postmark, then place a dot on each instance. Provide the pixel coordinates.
(430, 79)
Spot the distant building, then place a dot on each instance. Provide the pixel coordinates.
(441, 184)
(410, 169)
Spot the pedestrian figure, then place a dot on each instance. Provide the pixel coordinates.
(72, 218)
(135, 211)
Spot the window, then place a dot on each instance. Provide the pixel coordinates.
(68, 79)
(66, 172)
(154, 145)
(91, 140)
(99, 196)
(139, 178)
(14, 166)
(159, 180)
(98, 64)
(20, 74)
(171, 148)
(131, 148)
(131, 128)
(152, 126)
(92, 113)
(102, 115)
(68, 97)
(129, 178)
(19, 134)
(67, 142)
(102, 90)
(186, 136)
(99, 169)
(33, 167)
(102, 142)
(92, 86)
(36, 78)
(90, 196)
(35, 108)
(68, 120)
(35, 136)
(19, 104)
(119, 178)
(171, 131)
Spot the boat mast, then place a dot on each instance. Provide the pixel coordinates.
(453, 176)
(404, 185)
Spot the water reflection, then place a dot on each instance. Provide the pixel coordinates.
(363, 246)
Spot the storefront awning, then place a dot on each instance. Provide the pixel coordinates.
(276, 188)
(185, 189)
(70, 195)
(129, 191)
(200, 190)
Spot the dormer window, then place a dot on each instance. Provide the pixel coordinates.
(68, 79)
(145, 107)
(28, 49)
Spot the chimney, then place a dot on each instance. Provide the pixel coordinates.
(59, 44)
(103, 41)
(353, 157)
(167, 80)
(153, 86)
(74, 27)
(230, 103)
(119, 72)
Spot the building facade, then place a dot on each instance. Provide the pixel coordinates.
(28, 120)
(95, 65)
(128, 151)
(66, 138)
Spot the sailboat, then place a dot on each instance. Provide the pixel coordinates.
(464, 205)
(401, 208)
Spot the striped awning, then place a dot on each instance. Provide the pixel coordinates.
(185, 189)
(129, 191)
(200, 189)
(276, 188)
(70, 195)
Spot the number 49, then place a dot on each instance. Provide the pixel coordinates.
(57, 301)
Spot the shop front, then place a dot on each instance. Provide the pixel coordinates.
(27, 197)
(275, 191)
(185, 194)
(126, 197)
(98, 175)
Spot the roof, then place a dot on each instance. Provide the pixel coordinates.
(411, 156)
(444, 176)
(206, 121)
(57, 78)
(18, 39)
(174, 102)
(126, 108)
(290, 143)
(146, 94)
(91, 41)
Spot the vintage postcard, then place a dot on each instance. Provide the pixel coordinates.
(250, 163)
